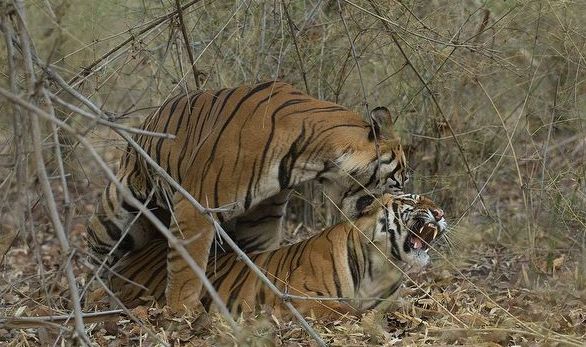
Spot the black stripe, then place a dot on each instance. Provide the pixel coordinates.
(336, 277)
(316, 110)
(211, 155)
(271, 134)
(216, 194)
(248, 198)
(287, 163)
(250, 116)
(164, 131)
(353, 261)
(237, 285)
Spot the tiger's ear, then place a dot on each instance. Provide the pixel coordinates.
(382, 121)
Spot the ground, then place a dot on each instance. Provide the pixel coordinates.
(479, 292)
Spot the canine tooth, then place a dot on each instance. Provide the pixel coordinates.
(434, 233)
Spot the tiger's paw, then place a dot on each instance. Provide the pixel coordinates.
(187, 301)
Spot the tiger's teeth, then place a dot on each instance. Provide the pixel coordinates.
(434, 233)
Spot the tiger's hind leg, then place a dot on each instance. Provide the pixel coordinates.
(141, 274)
(260, 228)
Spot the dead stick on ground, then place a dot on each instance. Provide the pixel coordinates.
(45, 321)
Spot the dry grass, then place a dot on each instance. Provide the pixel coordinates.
(489, 98)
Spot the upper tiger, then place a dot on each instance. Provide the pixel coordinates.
(246, 148)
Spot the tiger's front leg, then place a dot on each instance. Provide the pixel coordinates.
(183, 285)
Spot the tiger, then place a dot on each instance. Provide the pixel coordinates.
(239, 151)
(354, 266)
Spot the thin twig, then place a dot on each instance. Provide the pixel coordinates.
(43, 178)
(42, 321)
(549, 131)
(18, 127)
(101, 121)
(294, 37)
(88, 69)
(69, 210)
(59, 230)
(435, 101)
(187, 44)
(389, 22)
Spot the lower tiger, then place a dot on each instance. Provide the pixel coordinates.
(359, 261)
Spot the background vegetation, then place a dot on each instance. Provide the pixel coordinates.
(488, 96)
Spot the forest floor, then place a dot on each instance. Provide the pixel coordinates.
(480, 292)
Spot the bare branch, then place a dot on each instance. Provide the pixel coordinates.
(44, 180)
(188, 47)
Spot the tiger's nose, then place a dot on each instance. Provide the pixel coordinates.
(438, 214)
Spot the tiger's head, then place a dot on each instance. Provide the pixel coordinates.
(404, 227)
(375, 163)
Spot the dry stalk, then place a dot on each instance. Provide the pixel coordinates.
(212, 41)
(188, 47)
(88, 71)
(396, 25)
(20, 160)
(433, 97)
(57, 225)
(56, 321)
(69, 210)
(42, 174)
(294, 37)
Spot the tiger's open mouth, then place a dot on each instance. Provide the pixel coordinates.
(422, 236)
